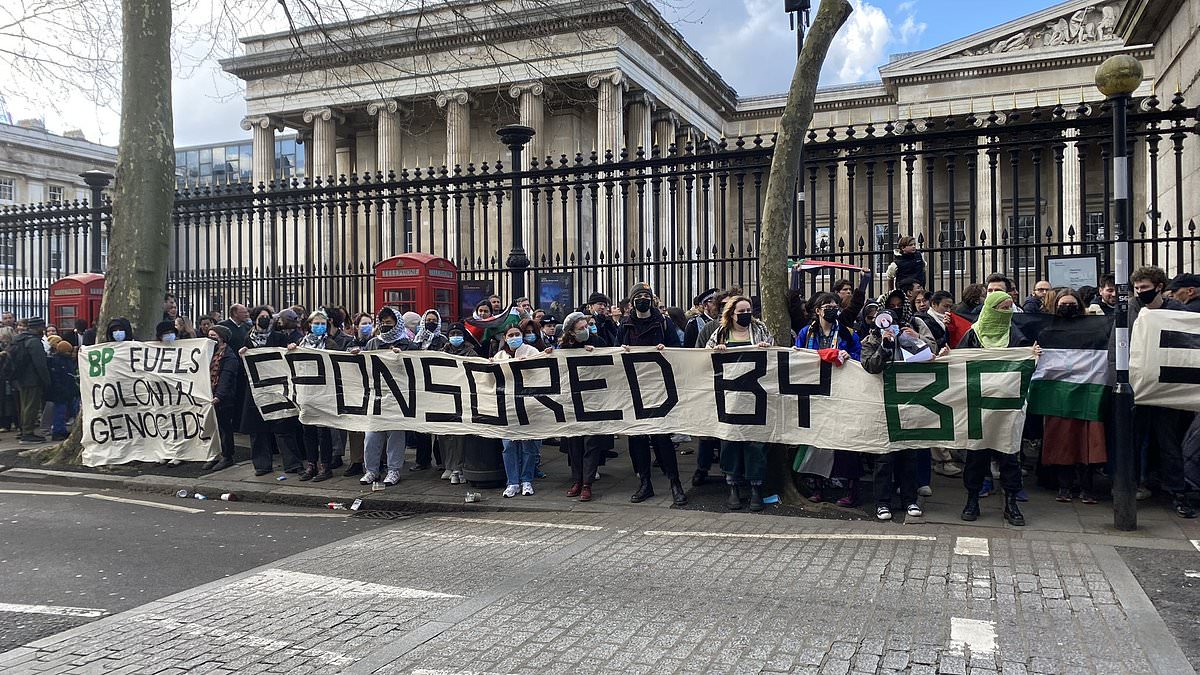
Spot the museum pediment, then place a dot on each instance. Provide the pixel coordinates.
(1065, 29)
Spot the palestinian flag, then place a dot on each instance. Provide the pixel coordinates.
(814, 265)
(1071, 379)
(485, 329)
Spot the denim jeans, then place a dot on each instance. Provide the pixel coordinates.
(62, 413)
(520, 460)
(393, 442)
(924, 467)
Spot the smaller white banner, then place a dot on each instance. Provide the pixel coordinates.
(1164, 359)
(147, 401)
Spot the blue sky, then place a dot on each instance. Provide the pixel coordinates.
(749, 43)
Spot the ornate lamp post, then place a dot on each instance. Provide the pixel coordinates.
(1117, 78)
(97, 180)
(516, 137)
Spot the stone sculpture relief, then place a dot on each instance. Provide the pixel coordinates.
(1095, 23)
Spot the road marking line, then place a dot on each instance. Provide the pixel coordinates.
(971, 546)
(978, 637)
(427, 671)
(290, 581)
(83, 612)
(282, 514)
(39, 492)
(744, 535)
(140, 502)
(1196, 544)
(1191, 574)
(520, 523)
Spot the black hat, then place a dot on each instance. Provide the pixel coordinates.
(598, 297)
(705, 296)
(549, 318)
(639, 287)
(35, 323)
(1185, 280)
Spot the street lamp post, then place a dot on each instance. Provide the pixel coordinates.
(1117, 78)
(516, 136)
(97, 180)
(798, 15)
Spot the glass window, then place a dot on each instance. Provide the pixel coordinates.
(404, 299)
(193, 166)
(885, 237)
(55, 253)
(56, 194)
(441, 302)
(952, 237)
(8, 250)
(1095, 230)
(1022, 233)
(8, 189)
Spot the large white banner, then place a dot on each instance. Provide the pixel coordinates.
(971, 399)
(147, 401)
(1164, 359)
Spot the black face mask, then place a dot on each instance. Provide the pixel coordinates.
(744, 319)
(431, 326)
(264, 322)
(642, 304)
(1147, 297)
(1068, 311)
(830, 314)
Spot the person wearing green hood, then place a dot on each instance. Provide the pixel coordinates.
(994, 330)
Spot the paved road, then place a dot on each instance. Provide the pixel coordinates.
(644, 592)
(77, 551)
(1172, 581)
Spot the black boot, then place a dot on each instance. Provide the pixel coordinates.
(677, 494)
(1012, 513)
(645, 491)
(735, 500)
(355, 469)
(1183, 508)
(756, 502)
(699, 477)
(971, 510)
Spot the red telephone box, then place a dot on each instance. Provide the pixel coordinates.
(74, 297)
(416, 282)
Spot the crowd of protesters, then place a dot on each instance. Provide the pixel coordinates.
(39, 386)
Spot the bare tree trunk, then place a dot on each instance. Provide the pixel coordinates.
(777, 214)
(139, 242)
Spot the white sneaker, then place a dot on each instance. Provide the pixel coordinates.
(393, 477)
(511, 491)
(456, 478)
(597, 476)
(925, 491)
(368, 478)
(526, 489)
(914, 510)
(446, 474)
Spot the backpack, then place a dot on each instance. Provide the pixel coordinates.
(12, 360)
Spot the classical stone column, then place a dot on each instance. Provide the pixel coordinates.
(917, 202)
(260, 239)
(666, 130)
(264, 128)
(324, 123)
(985, 195)
(609, 227)
(389, 138)
(458, 153)
(1070, 188)
(321, 244)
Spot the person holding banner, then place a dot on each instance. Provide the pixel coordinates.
(645, 326)
(583, 452)
(318, 441)
(994, 330)
(829, 332)
(378, 443)
(520, 456)
(226, 372)
(742, 461)
(1069, 390)
(262, 438)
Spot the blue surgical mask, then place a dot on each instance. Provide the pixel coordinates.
(119, 335)
(593, 329)
(530, 338)
(456, 340)
(168, 338)
(894, 330)
(319, 329)
(514, 342)
(365, 330)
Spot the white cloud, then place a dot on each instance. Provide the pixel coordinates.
(865, 41)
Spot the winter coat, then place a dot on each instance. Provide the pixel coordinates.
(122, 324)
(649, 332)
(1015, 339)
(692, 333)
(230, 381)
(876, 354)
(237, 333)
(846, 340)
(64, 378)
(907, 266)
(30, 356)
(608, 330)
